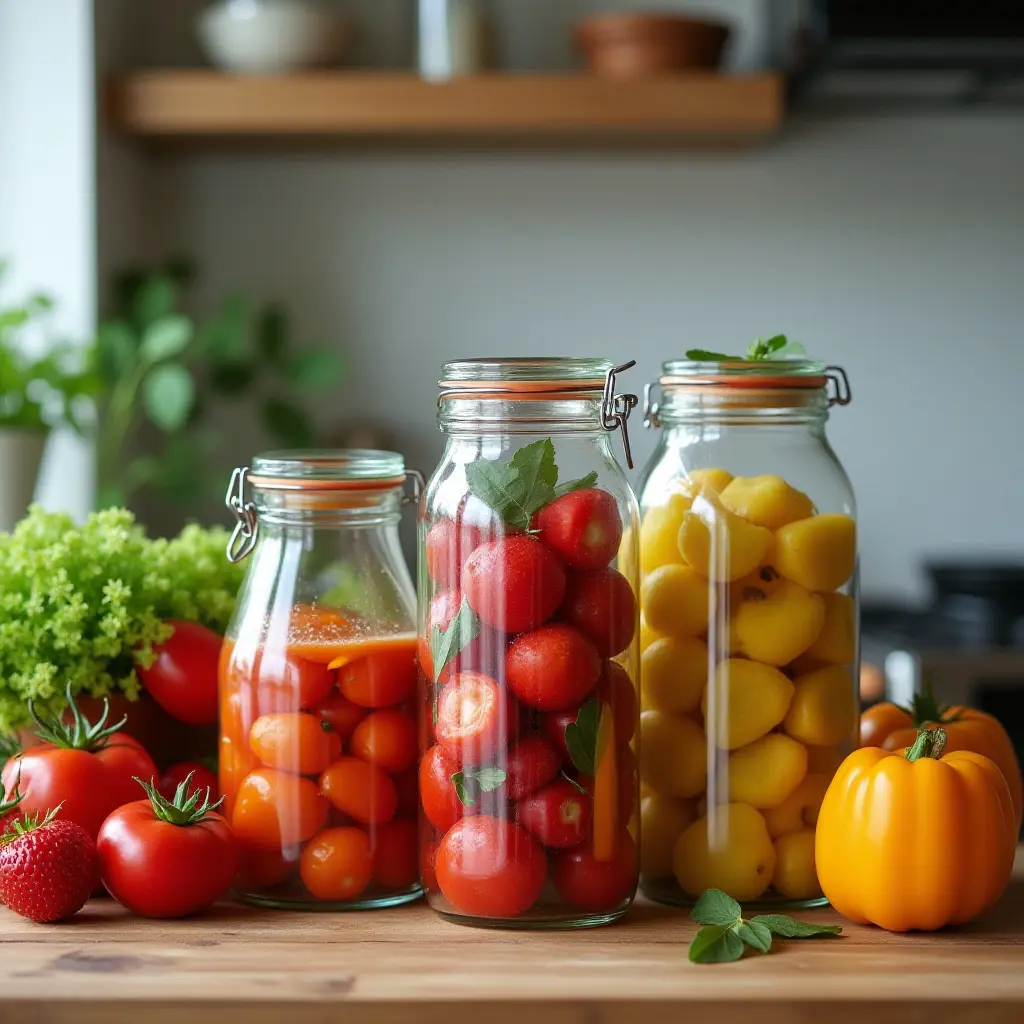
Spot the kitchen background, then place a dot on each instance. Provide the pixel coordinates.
(887, 240)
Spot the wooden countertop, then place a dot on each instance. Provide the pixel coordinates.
(406, 965)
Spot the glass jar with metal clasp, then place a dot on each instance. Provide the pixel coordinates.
(318, 741)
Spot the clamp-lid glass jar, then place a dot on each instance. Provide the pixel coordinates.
(749, 628)
(528, 649)
(318, 740)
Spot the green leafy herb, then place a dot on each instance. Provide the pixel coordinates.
(726, 934)
(445, 644)
(471, 782)
(581, 738)
(761, 350)
(575, 785)
(521, 487)
(786, 927)
(576, 485)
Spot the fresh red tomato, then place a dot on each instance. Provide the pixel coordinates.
(597, 886)
(532, 762)
(552, 667)
(584, 527)
(600, 604)
(203, 780)
(387, 739)
(473, 717)
(559, 815)
(88, 768)
(379, 680)
(441, 804)
(514, 584)
(160, 860)
(488, 867)
(395, 854)
(183, 679)
(616, 689)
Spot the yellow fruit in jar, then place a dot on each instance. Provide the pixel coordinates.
(836, 643)
(659, 532)
(803, 666)
(674, 600)
(728, 850)
(627, 557)
(824, 707)
(674, 672)
(662, 821)
(825, 760)
(719, 545)
(818, 553)
(673, 755)
(766, 501)
(799, 809)
(699, 479)
(794, 874)
(743, 701)
(779, 627)
(764, 773)
(647, 635)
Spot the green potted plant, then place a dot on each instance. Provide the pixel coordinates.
(42, 385)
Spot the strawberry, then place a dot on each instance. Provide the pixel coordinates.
(48, 868)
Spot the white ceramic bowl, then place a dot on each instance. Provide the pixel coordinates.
(265, 37)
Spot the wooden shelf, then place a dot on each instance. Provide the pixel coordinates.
(372, 106)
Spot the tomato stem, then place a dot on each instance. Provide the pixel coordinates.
(929, 743)
(182, 809)
(81, 734)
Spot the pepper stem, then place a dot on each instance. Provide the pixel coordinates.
(929, 743)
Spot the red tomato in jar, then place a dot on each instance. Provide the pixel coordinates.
(487, 867)
(183, 679)
(395, 854)
(159, 861)
(87, 769)
(441, 803)
(597, 886)
(616, 688)
(553, 724)
(552, 667)
(601, 605)
(558, 815)
(532, 762)
(583, 527)
(203, 780)
(474, 716)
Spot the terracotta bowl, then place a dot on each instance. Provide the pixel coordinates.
(644, 45)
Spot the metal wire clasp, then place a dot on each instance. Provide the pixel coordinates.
(651, 407)
(615, 409)
(419, 485)
(243, 537)
(836, 376)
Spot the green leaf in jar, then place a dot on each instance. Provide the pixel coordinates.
(446, 644)
(576, 485)
(516, 490)
(702, 355)
(581, 738)
(716, 944)
(470, 782)
(715, 907)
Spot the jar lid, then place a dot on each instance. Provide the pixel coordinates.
(523, 377)
(343, 469)
(782, 373)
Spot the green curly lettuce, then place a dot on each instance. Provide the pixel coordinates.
(84, 605)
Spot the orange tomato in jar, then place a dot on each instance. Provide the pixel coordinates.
(360, 790)
(337, 865)
(274, 809)
(386, 739)
(294, 742)
(382, 679)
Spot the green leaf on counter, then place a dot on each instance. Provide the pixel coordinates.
(576, 485)
(471, 782)
(716, 944)
(519, 488)
(715, 907)
(755, 935)
(786, 927)
(581, 738)
(446, 644)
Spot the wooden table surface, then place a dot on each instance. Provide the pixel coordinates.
(406, 965)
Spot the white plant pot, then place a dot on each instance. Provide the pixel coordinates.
(21, 453)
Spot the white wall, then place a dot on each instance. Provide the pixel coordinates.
(47, 191)
(894, 247)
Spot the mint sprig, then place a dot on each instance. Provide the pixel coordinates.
(581, 738)
(471, 782)
(519, 488)
(445, 644)
(726, 934)
(761, 350)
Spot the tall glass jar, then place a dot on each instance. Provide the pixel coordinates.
(528, 649)
(749, 629)
(318, 743)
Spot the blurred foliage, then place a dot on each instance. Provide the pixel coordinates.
(47, 389)
(161, 366)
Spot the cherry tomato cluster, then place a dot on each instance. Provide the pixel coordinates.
(527, 780)
(318, 766)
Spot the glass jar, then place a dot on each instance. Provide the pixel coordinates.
(318, 742)
(749, 629)
(528, 648)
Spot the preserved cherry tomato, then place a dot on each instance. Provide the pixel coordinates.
(360, 790)
(583, 526)
(531, 763)
(616, 689)
(284, 680)
(490, 868)
(601, 605)
(294, 742)
(594, 885)
(336, 864)
(559, 815)
(386, 739)
(473, 716)
(552, 667)
(274, 809)
(340, 714)
(263, 869)
(379, 680)
(441, 803)
(395, 855)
